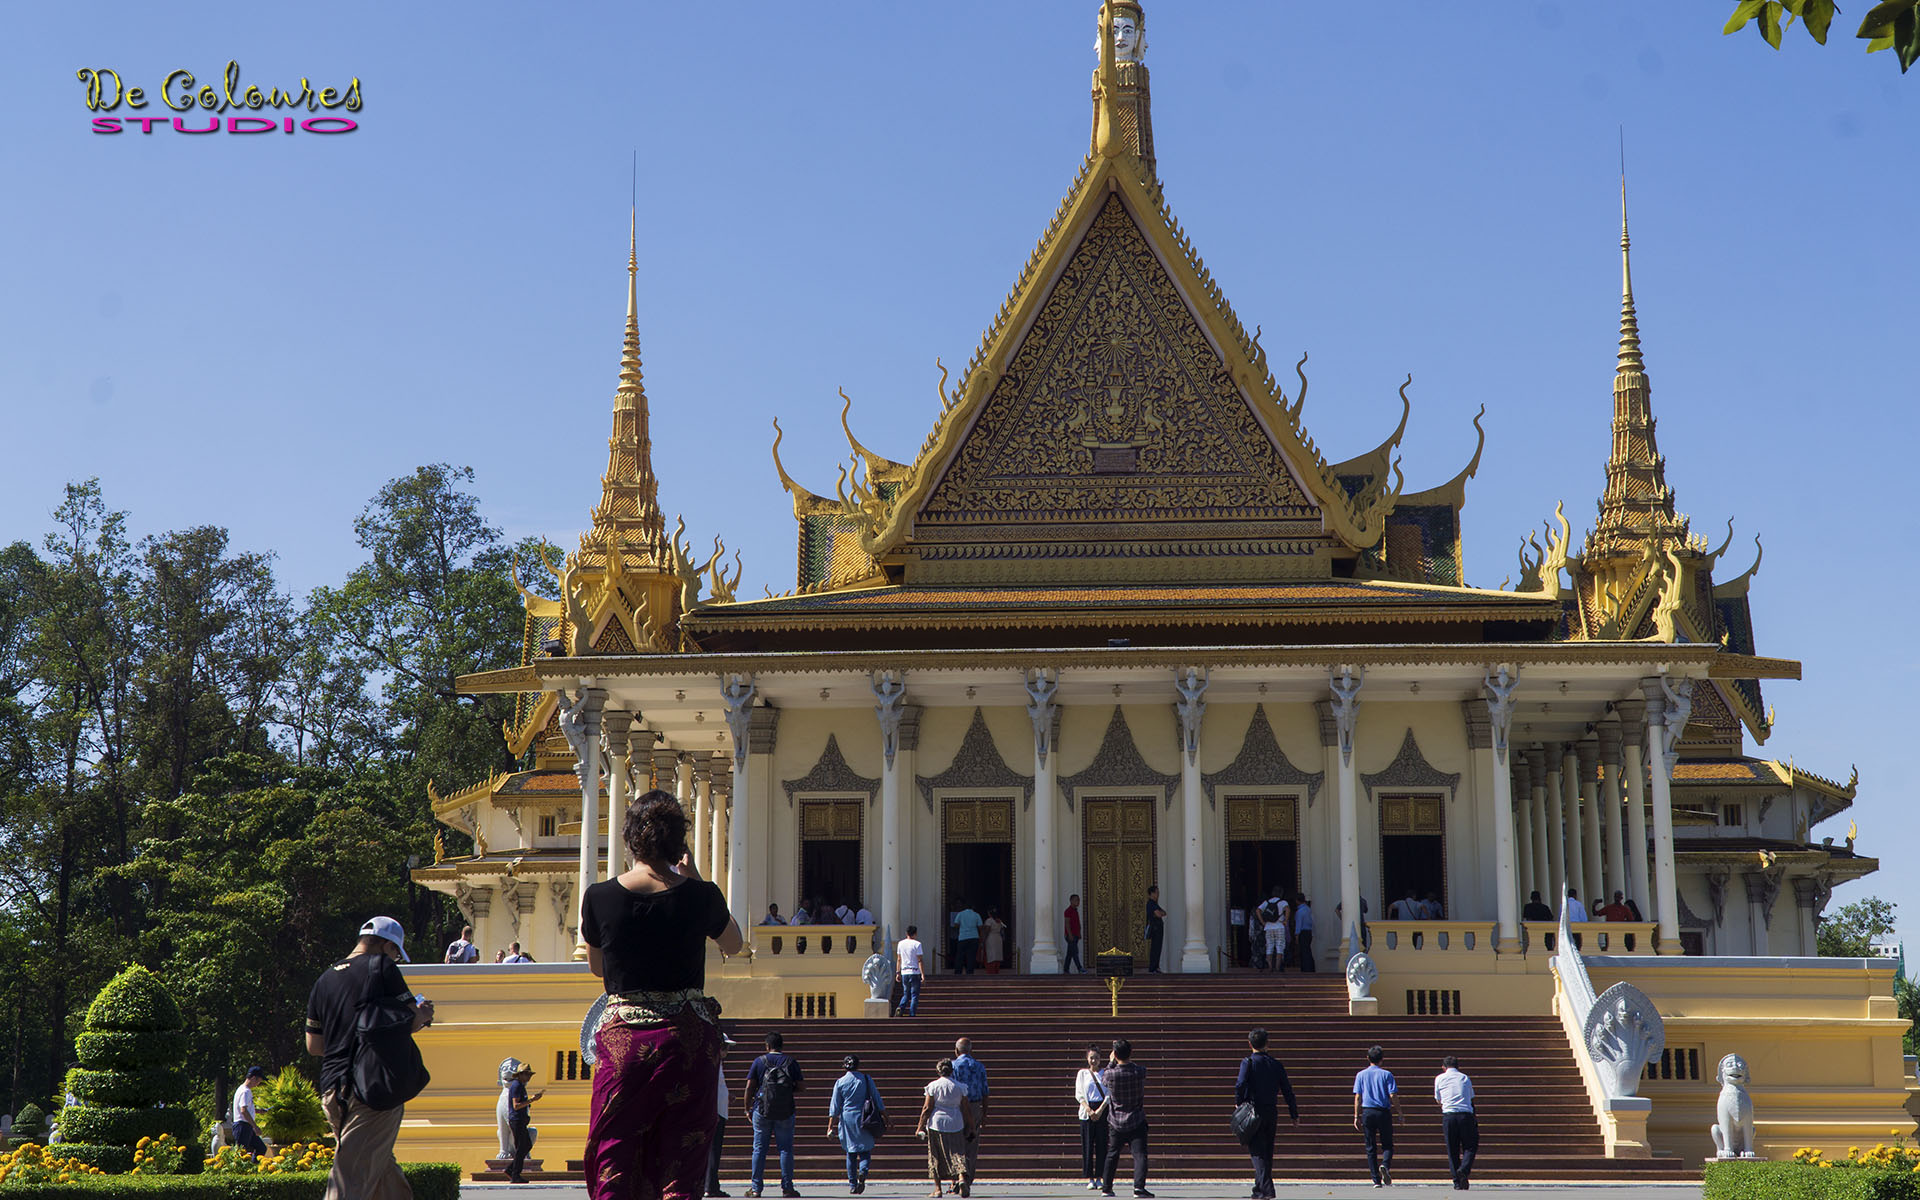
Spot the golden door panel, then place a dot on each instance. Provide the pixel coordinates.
(1262, 818)
(1119, 870)
(1412, 814)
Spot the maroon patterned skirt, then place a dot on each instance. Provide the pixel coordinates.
(654, 1105)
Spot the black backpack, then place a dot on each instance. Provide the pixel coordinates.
(776, 1092)
(387, 1070)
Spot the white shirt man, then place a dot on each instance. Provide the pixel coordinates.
(1275, 917)
(1409, 909)
(862, 917)
(1576, 911)
(845, 914)
(910, 955)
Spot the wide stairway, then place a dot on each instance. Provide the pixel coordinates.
(1189, 1031)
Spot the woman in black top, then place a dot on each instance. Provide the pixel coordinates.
(657, 1048)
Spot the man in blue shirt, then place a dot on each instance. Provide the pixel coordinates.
(1261, 1083)
(967, 953)
(772, 1081)
(972, 1079)
(1303, 931)
(1373, 1114)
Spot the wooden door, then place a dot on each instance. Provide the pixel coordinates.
(1119, 870)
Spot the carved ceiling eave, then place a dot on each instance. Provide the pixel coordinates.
(549, 674)
(1245, 360)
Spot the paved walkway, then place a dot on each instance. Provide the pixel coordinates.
(1179, 1191)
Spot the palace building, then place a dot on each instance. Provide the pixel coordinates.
(1121, 622)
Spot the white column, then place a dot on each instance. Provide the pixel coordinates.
(889, 694)
(1575, 824)
(1044, 958)
(1191, 684)
(1595, 880)
(1806, 899)
(1543, 876)
(703, 816)
(738, 694)
(1557, 823)
(1346, 712)
(1523, 822)
(1499, 697)
(619, 739)
(721, 803)
(1633, 770)
(1667, 710)
(1612, 811)
(580, 722)
(683, 780)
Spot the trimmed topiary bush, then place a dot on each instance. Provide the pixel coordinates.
(129, 1084)
(29, 1128)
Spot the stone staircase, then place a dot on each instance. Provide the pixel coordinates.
(1189, 1031)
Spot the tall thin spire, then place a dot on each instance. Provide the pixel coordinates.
(1630, 359)
(1122, 97)
(629, 508)
(1636, 507)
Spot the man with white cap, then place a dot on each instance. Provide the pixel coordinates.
(367, 979)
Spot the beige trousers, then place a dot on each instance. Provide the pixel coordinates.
(363, 1164)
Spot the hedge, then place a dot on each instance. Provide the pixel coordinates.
(128, 1088)
(1799, 1181)
(125, 1050)
(431, 1181)
(114, 1160)
(110, 1125)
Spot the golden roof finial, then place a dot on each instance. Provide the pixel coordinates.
(1106, 136)
(1630, 359)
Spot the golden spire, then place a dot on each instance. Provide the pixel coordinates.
(1629, 323)
(629, 507)
(1636, 508)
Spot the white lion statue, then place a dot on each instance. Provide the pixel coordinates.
(1733, 1134)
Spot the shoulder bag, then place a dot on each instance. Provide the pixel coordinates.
(386, 1069)
(873, 1118)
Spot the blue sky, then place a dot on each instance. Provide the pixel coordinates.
(258, 331)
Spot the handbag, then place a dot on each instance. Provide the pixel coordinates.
(1246, 1122)
(386, 1069)
(873, 1118)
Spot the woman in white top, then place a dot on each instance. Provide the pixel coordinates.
(1092, 1097)
(946, 1121)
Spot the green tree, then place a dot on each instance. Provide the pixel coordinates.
(1893, 25)
(268, 871)
(1851, 931)
(1907, 996)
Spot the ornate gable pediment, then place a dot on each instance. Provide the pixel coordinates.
(831, 774)
(1116, 432)
(1118, 763)
(977, 764)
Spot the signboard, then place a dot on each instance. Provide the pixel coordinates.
(1113, 966)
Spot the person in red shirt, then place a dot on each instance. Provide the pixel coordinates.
(1618, 910)
(1073, 937)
